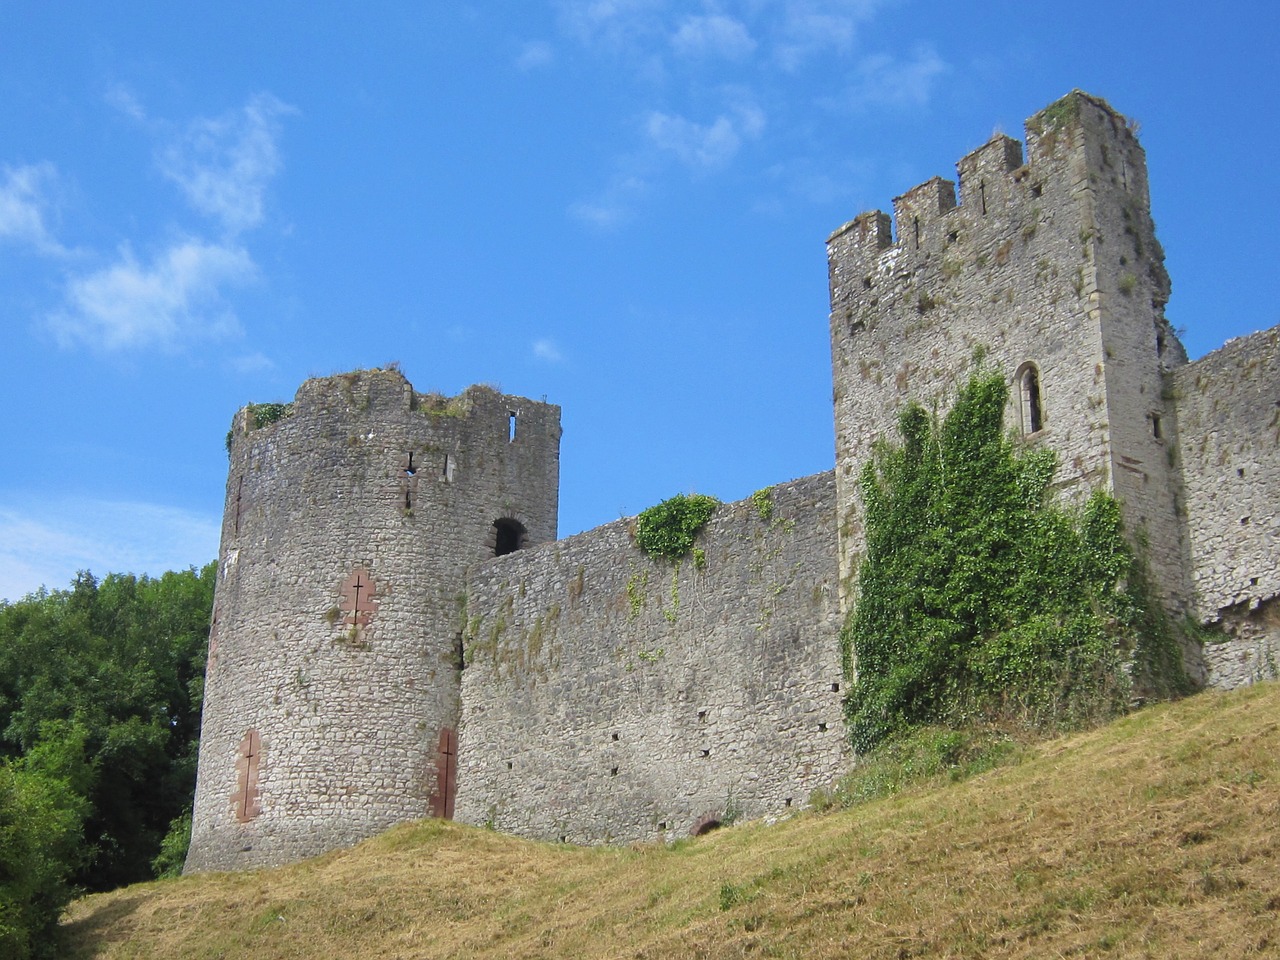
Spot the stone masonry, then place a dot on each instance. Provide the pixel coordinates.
(334, 656)
(611, 697)
(397, 633)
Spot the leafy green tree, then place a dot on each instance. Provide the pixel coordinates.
(123, 660)
(42, 811)
(978, 598)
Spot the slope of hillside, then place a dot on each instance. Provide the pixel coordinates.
(1157, 836)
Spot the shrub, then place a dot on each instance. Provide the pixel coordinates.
(668, 529)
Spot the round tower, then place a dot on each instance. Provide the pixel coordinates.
(332, 689)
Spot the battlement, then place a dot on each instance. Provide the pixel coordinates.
(1070, 144)
(386, 394)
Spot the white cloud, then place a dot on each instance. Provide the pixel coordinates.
(808, 28)
(885, 81)
(713, 36)
(23, 204)
(612, 24)
(122, 99)
(47, 543)
(704, 145)
(534, 54)
(255, 362)
(548, 351)
(612, 208)
(223, 164)
(170, 302)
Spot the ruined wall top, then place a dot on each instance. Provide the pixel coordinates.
(385, 393)
(1064, 142)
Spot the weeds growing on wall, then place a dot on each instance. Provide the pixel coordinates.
(667, 530)
(978, 599)
(262, 415)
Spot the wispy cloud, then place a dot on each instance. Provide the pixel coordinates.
(224, 164)
(535, 54)
(705, 145)
(547, 350)
(704, 73)
(884, 80)
(613, 206)
(612, 24)
(122, 98)
(47, 543)
(254, 362)
(23, 202)
(170, 302)
(716, 35)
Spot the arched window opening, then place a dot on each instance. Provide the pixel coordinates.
(508, 536)
(704, 826)
(1031, 401)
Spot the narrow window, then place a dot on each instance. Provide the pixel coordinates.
(446, 786)
(409, 481)
(446, 472)
(239, 495)
(982, 196)
(245, 800)
(511, 426)
(358, 598)
(916, 223)
(1155, 427)
(1031, 401)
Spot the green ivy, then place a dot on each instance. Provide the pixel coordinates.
(268, 413)
(668, 529)
(261, 415)
(763, 501)
(978, 599)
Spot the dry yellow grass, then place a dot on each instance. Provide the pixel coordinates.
(1153, 837)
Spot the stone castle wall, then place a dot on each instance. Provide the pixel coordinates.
(609, 697)
(333, 661)
(1047, 264)
(374, 657)
(1228, 407)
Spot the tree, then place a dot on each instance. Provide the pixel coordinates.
(42, 810)
(123, 660)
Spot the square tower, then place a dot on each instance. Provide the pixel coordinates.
(1047, 267)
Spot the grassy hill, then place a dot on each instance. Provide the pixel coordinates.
(1157, 836)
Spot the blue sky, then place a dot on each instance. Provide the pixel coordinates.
(618, 204)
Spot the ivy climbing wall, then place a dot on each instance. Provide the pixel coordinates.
(611, 697)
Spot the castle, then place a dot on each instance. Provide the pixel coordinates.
(397, 633)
